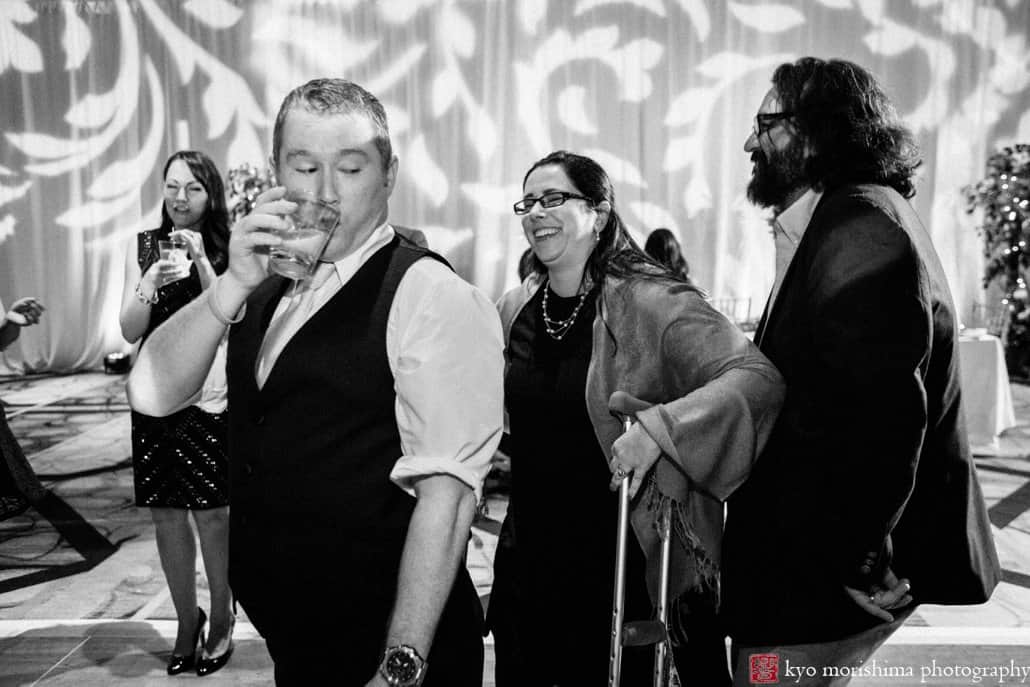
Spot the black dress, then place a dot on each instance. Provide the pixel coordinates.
(550, 607)
(179, 461)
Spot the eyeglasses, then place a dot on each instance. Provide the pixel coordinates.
(765, 121)
(551, 199)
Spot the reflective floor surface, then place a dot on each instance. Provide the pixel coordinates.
(83, 601)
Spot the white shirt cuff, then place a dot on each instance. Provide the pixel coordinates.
(410, 468)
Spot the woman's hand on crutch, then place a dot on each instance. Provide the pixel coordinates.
(633, 454)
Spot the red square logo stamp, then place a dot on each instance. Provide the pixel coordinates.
(764, 669)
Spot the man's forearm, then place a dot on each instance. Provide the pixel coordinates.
(435, 546)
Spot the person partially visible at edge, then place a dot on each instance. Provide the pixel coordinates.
(663, 246)
(596, 316)
(366, 408)
(19, 486)
(865, 501)
(180, 462)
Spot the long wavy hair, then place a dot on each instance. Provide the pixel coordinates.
(851, 129)
(662, 245)
(616, 253)
(214, 226)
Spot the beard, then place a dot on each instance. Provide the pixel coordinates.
(777, 176)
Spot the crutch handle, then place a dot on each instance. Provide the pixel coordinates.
(626, 405)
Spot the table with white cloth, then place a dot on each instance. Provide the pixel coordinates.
(986, 396)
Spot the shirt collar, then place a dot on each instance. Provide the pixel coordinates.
(349, 264)
(794, 220)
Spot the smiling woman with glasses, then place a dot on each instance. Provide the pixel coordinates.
(597, 315)
(551, 199)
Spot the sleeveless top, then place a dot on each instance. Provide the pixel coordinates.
(170, 297)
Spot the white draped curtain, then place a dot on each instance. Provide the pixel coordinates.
(98, 93)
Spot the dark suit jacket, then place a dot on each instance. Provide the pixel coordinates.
(868, 464)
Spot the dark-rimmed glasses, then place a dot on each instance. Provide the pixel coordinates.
(551, 199)
(765, 120)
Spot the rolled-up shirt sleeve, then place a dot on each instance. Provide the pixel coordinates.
(445, 350)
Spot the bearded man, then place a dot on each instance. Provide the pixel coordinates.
(865, 501)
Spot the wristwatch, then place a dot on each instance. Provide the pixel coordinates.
(402, 666)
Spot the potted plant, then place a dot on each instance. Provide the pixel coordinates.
(244, 184)
(1002, 202)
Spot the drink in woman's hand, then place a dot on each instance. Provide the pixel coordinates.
(167, 250)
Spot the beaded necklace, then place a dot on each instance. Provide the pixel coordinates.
(557, 329)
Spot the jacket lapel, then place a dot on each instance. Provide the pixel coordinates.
(760, 329)
(774, 309)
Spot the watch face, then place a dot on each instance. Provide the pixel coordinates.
(401, 666)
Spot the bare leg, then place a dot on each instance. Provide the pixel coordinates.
(213, 528)
(178, 553)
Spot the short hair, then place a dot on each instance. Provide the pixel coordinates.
(335, 96)
(853, 131)
(215, 223)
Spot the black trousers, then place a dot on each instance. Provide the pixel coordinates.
(451, 664)
(329, 645)
(701, 660)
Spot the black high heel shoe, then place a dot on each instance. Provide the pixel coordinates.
(180, 664)
(209, 664)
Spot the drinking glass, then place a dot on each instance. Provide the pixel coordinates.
(180, 248)
(311, 226)
(167, 250)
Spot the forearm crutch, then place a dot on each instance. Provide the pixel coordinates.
(640, 632)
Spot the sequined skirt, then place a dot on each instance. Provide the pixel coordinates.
(181, 461)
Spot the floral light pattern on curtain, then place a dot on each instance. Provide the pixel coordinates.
(99, 92)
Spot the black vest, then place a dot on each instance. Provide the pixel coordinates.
(311, 451)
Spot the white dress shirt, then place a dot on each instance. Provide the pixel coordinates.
(788, 230)
(445, 351)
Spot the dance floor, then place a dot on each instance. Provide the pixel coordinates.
(83, 600)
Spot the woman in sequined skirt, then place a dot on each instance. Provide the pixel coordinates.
(180, 464)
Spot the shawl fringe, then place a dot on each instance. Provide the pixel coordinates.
(697, 582)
